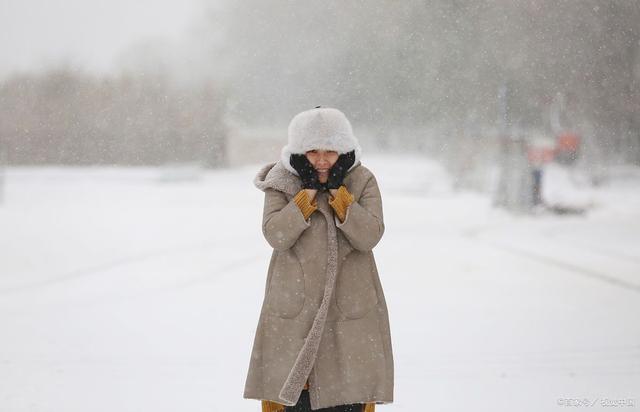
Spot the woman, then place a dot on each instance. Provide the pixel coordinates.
(323, 340)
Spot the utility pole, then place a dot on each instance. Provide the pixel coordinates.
(3, 161)
(514, 191)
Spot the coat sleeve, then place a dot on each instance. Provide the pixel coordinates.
(363, 224)
(282, 220)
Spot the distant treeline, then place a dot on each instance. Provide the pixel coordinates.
(416, 62)
(460, 67)
(66, 117)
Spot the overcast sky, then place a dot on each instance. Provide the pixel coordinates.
(87, 33)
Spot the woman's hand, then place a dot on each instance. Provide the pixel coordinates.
(339, 169)
(306, 171)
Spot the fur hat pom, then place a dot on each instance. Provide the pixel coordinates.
(321, 128)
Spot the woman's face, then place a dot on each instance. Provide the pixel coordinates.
(322, 160)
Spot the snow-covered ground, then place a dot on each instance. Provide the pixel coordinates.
(123, 291)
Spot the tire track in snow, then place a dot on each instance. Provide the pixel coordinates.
(106, 266)
(210, 275)
(567, 266)
(478, 234)
(224, 269)
(613, 254)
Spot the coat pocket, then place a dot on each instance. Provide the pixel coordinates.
(355, 291)
(285, 295)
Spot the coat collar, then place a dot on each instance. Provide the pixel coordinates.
(275, 176)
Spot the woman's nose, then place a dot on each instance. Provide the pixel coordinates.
(322, 161)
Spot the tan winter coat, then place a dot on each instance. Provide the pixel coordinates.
(324, 317)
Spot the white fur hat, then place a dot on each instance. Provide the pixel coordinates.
(321, 128)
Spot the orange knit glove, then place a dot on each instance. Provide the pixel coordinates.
(306, 207)
(341, 202)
